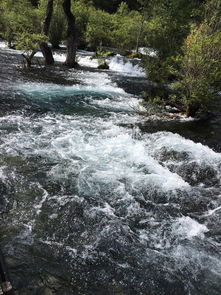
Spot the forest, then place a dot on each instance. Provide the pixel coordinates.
(185, 34)
(110, 147)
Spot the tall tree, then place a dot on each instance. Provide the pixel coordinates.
(46, 50)
(71, 34)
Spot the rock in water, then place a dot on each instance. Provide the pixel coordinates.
(103, 66)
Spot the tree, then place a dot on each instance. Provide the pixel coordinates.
(46, 50)
(168, 24)
(127, 29)
(83, 10)
(99, 28)
(200, 74)
(18, 17)
(57, 27)
(29, 44)
(22, 28)
(71, 35)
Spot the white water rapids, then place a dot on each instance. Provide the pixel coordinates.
(140, 210)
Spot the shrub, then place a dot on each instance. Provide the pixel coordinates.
(99, 28)
(82, 10)
(18, 17)
(201, 62)
(127, 27)
(58, 26)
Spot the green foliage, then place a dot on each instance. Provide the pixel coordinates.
(109, 53)
(152, 107)
(201, 64)
(82, 10)
(18, 17)
(135, 55)
(94, 26)
(101, 56)
(162, 70)
(58, 26)
(99, 28)
(185, 34)
(169, 23)
(126, 29)
(29, 42)
(123, 9)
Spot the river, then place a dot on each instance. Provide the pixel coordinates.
(97, 199)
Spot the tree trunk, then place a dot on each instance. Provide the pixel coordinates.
(71, 35)
(28, 59)
(46, 50)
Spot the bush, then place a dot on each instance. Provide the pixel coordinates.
(82, 10)
(128, 25)
(168, 25)
(58, 26)
(18, 17)
(201, 64)
(29, 44)
(99, 28)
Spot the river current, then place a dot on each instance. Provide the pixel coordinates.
(97, 199)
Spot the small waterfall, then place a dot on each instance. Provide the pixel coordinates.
(126, 66)
(117, 63)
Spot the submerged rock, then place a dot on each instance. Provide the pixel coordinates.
(103, 66)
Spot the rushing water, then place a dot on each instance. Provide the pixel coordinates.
(96, 199)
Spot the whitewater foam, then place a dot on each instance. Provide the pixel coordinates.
(175, 150)
(117, 63)
(212, 211)
(189, 228)
(97, 193)
(88, 82)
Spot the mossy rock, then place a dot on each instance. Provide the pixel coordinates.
(94, 55)
(125, 52)
(109, 54)
(135, 55)
(103, 66)
(103, 54)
